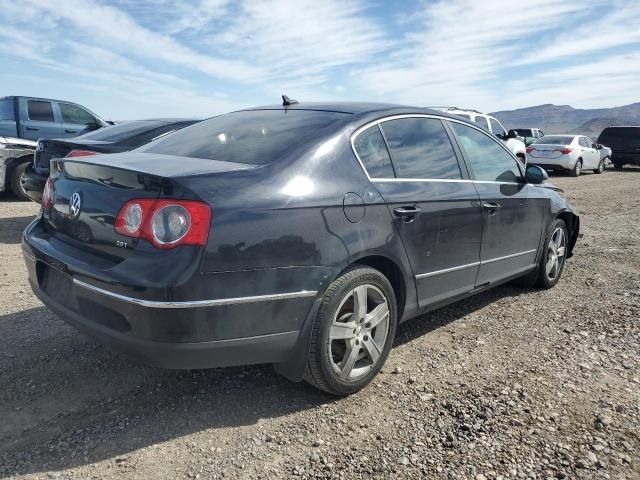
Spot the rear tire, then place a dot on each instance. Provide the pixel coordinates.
(617, 165)
(577, 168)
(600, 168)
(16, 181)
(352, 333)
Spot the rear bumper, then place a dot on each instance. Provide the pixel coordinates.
(552, 163)
(255, 328)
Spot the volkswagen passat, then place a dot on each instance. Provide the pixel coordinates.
(298, 235)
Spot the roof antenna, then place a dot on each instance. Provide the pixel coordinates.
(286, 101)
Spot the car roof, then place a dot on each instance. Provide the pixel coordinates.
(359, 109)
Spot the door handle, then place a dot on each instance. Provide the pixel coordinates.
(406, 214)
(491, 206)
(70, 131)
(33, 129)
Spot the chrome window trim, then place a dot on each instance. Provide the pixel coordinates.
(474, 264)
(196, 303)
(378, 121)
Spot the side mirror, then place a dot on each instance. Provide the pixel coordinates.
(536, 175)
(512, 134)
(596, 146)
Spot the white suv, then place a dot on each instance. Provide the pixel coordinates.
(491, 124)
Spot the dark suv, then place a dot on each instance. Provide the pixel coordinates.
(624, 143)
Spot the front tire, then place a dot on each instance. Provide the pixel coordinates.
(352, 333)
(553, 257)
(577, 169)
(17, 185)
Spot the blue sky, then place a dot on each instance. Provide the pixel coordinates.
(128, 59)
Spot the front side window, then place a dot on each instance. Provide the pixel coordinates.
(482, 122)
(496, 128)
(372, 151)
(40, 111)
(74, 114)
(420, 148)
(488, 159)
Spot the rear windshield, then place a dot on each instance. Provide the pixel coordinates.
(615, 135)
(546, 140)
(523, 132)
(6, 109)
(122, 131)
(255, 137)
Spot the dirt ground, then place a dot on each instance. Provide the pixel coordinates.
(508, 384)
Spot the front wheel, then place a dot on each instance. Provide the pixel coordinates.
(600, 168)
(553, 257)
(353, 332)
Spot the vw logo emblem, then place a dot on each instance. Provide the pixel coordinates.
(75, 204)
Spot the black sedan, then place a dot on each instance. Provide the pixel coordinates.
(298, 235)
(119, 138)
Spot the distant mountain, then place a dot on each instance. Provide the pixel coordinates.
(566, 119)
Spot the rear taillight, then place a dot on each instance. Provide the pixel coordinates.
(530, 149)
(80, 153)
(165, 223)
(565, 151)
(47, 195)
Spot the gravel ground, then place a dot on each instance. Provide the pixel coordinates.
(508, 384)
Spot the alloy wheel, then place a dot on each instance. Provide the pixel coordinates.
(555, 253)
(359, 332)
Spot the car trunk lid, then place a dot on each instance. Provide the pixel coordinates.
(88, 193)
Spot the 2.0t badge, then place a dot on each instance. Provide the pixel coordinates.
(75, 205)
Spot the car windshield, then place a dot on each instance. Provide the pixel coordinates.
(255, 137)
(553, 140)
(123, 131)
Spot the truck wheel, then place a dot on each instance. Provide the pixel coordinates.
(352, 333)
(600, 168)
(16, 183)
(617, 165)
(577, 169)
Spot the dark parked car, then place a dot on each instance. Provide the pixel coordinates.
(624, 143)
(297, 235)
(119, 138)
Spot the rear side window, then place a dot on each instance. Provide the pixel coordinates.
(6, 110)
(482, 122)
(74, 114)
(256, 137)
(584, 142)
(488, 160)
(420, 148)
(40, 111)
(372, 151)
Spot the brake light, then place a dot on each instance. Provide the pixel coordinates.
(47, 195)
(565, 151)
(165, 223)
(530, 149)
(80, 153)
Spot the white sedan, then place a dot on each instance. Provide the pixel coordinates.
(573, 153)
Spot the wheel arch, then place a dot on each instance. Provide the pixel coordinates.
(572, 221)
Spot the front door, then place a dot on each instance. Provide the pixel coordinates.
(436, 209)
(512, 210)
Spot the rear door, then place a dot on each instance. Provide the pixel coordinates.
(511, 209)
(38, 119)
(76, 120)
(436, 208)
